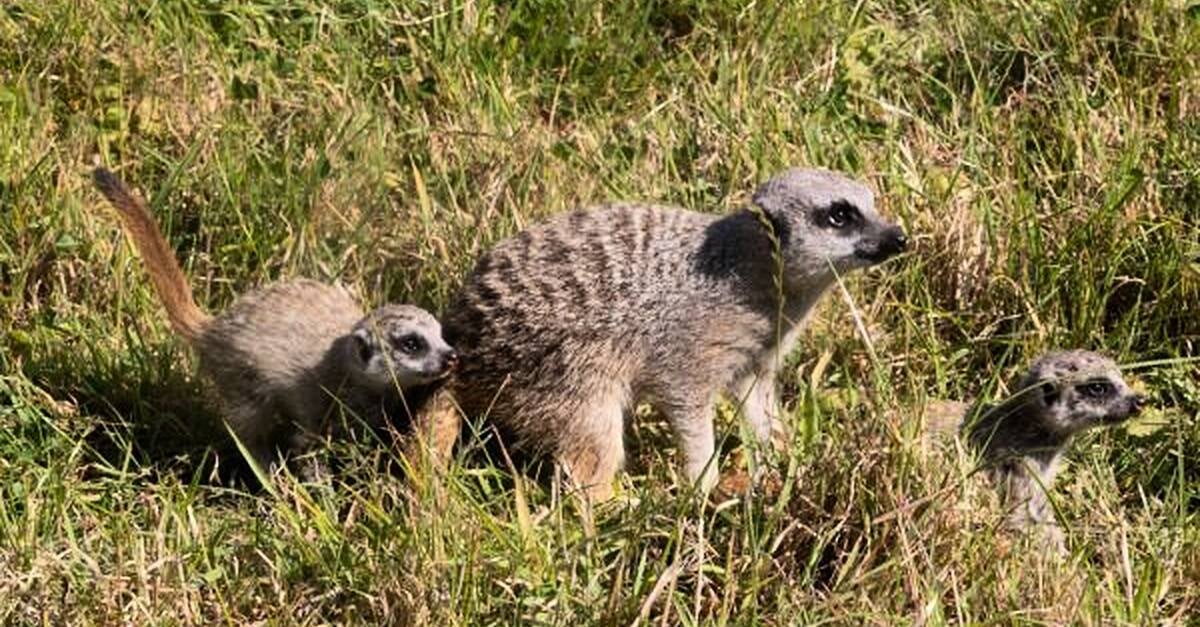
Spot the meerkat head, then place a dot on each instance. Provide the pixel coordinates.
(400, 345)
(1077, 390)
(826, 222)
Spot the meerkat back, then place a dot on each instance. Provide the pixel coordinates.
(280, 331)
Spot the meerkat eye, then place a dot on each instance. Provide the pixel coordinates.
(842, 215)
(409, 344)
(1096, 389)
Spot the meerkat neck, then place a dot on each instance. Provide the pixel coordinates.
(746, 247)
(336, 368)
(1011, 428)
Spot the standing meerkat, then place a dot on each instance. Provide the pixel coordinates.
(568, 324)
(1022, 440)
(282, 357)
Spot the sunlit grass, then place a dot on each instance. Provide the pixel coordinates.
(1044, 157)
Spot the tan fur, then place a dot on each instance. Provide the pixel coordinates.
(437, 429)
(285, 357)
(169, 281)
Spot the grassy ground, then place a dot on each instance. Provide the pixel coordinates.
(1043, 154)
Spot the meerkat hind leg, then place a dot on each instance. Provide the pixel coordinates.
(254, 425)
(436, 429)
(596, 453)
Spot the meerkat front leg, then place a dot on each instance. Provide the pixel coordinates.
(760, 406)
(692, 421)
(1029, 509)
(303, 443)
(1036, 514)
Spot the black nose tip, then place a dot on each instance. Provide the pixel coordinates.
(894, 242)
(1137, 403)
(451, 360)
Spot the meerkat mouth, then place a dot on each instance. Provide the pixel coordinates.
(1116, 419)
(890, 243)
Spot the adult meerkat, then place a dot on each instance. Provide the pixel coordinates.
(1022, 440)
(565, 326)
(281, 357)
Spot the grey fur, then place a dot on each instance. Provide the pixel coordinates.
(1022, 440)
(565, 326)
(280, 356)
(282, 359)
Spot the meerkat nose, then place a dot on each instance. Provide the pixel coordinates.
(894, 242)
(1137, 403)
(450, 361)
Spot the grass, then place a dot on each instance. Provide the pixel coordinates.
(1044, 156)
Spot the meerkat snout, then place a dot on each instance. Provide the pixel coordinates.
(877, 249)
(823, 221)
(401, 345)
(449, 362)
(1080, 390)
(1136, 403)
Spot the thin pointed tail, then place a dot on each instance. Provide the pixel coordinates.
(169, 281)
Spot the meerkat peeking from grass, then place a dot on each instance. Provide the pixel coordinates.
(283, 357)
(1022, 440)
(567, 325)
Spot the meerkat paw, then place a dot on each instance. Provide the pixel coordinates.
(733, 485)
(740, 484)
(1052, 539)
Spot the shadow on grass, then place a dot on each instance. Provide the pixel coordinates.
(143, 412)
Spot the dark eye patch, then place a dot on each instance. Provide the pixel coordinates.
(1096, 388)
(410, 343)
(840, 215)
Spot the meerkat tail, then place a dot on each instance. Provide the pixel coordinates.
(169, 281)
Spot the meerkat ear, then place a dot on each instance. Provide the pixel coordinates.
(772, 209)
(363, 347)
(764, 199)
(1048, 392)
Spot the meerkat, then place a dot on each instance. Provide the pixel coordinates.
(1022, 440)
(567, 325)
(281, 357)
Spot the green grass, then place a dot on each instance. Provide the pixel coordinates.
(1044, 156)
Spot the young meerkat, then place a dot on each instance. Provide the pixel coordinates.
(568, 324)
(1022, 440)
(283, 357)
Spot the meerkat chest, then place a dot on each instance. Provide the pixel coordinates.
(786, 327)
(785, 340)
